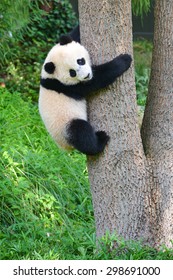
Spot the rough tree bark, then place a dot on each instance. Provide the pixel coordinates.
(157, 128)
(131, 191)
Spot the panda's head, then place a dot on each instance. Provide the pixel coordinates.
(69, 62)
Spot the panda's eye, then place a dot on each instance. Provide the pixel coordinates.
(49, 67)
(81, 61)
(72, 73)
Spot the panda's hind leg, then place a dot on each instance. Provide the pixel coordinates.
(81, 135)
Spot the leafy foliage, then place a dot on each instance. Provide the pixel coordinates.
(140, 6)
(142, 59)
(47, 28)
(27, 26)
(11, 12)
(14, 16)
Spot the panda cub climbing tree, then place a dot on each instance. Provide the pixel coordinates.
(67, 78)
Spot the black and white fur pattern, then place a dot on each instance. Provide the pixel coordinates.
(67, 78)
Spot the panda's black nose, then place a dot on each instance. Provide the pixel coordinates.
(87, 77)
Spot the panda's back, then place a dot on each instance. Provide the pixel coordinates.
(57, 110)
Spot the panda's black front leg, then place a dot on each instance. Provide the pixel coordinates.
(105, 74)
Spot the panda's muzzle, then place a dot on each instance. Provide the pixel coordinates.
(87, 77)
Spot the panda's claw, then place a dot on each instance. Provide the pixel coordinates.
(126, 59)
(103, 137)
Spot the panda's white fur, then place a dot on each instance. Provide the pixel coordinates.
(57, 109)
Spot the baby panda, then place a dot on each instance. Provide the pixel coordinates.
(67, 78)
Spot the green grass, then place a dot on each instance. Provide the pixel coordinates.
(45, 196)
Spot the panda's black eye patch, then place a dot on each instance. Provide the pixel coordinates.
(49, 67)
(72, 73)
(81, 61)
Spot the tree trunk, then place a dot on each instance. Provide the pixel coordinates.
(157, 129)
(118, 176)
(129, 189)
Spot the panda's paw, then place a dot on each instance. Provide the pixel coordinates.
(126, 59)
(102, 137)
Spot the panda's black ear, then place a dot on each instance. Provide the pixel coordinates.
(49, 67)
(65, 39)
